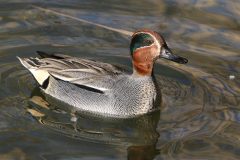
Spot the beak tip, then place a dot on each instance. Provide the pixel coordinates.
(184, 61)
(181, 60)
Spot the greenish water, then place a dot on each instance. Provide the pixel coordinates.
(201, 114)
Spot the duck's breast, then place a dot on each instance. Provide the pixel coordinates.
(132, 96)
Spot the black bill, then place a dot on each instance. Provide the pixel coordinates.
(167, 54)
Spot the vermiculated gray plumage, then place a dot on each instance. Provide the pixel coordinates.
(94, 86)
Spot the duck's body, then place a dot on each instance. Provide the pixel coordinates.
(100, 87)
(121, 100)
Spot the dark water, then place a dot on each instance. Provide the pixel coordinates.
(201, 115)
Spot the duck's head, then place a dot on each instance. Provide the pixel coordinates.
(146, 47)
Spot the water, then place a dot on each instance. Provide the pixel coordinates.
(201, 115)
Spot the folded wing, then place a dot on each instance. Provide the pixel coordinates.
(86, 73)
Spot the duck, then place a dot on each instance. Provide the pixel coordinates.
(101, 88)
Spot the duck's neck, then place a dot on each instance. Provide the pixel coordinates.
(142, 68)
(142, 61)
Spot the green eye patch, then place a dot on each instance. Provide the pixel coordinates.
(140, 40)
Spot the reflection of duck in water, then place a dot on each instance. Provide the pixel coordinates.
(136, 137)
(104, 88)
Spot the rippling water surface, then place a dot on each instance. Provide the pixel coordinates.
(201, 114)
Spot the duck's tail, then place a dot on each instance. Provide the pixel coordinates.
(33, 65)
(29, 63)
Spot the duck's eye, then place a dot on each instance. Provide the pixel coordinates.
(148, 42)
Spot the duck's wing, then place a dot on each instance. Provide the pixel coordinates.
(85, 73)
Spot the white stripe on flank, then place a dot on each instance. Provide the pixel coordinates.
(78, 70)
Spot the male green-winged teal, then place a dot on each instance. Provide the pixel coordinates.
(103, 88)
